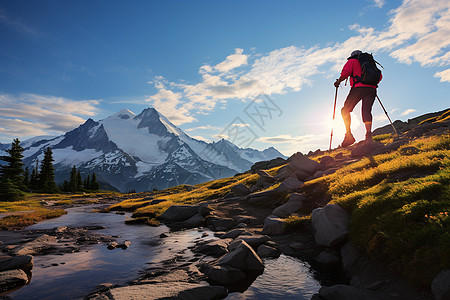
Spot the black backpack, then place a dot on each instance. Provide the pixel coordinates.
(370, 74)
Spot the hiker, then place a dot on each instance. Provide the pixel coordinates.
(361, 89)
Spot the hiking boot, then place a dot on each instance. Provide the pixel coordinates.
(348, 140)
(369, 137)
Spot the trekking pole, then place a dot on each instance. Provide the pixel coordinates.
(334, 113)
(395, 130)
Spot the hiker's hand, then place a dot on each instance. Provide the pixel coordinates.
(337, 83)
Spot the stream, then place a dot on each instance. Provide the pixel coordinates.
(75, 275)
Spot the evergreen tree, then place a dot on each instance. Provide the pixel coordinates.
(73, 179)
(11, 173)
(87, 183)
(79, 181)
(26, 178)
(47, 175)
(94, 184)
(65, 186)
(34, 177)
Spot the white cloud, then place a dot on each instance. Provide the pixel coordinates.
(379, 3)
(205, 127)
(285, 138)
(232, 61)
(444, 75)
(408, 111)
(29, 114)
(418, 31)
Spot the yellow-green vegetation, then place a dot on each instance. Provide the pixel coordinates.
(399, 204)
(296, 222)
(24, 219)
(184, 195)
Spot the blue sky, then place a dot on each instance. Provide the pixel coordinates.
(263, 70)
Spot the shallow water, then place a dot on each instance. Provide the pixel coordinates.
(74, 275)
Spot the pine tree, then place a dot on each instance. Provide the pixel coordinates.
(73, 179)
(26, 178)
(79, 181)
(47, 175)
(11, 173)
(65, 186)
(94, 184)
(34, 177)
(87, 183)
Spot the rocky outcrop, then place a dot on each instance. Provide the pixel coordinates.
(22, 262)
(11, 279)
(180, 212)
(294, 203)
(440, 286)
(274, 225)
(44, 243)
(215, 248)
(168, 290)
(240, 190)
(330, 224)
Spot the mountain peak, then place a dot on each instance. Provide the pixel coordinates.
(124, 114)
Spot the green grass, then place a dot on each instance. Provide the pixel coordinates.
(17, 221)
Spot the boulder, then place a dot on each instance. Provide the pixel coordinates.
(242, 258)
(330, 225)
(223, 223)
(294, 203)
(195, 221)
(240, 190)
(299, 162)
(440, 286)
(23, 262)
(225, 274)
(326, 160)
(264, 197)
(346, 292)
(37, 246)
(328, 257)
(301, 175)
(124, 245)
(169, 290)
(265, 251)
(214, 248)
(289, 184)
(233, 233)
(180, 212)
(273, 225)
(244, 219)
(253, 241)
(366, 149)
(349, 256)
(11, 279)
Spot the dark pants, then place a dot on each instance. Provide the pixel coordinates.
(367, 95)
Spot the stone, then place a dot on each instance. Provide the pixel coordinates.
(327, 257)
(300, 162)
(326, 160)
(11, 279)
(253, 241)
(297, 246)
(244, 219)
(243, 258)
(114, 245)
(225, 274)
(349, 256)
(366, 149)
(266, 177)
(301, 175)
(265, 251)
(233, 233)
(37, 246)
(195, 221)
(440, 286)
(226, 223)
(346, 292)
(163, 235)
(23, 262)
(273, 225)
(180, 212)
(169, 290)
(330, 224)
(240, 190)
(294, 203)
(214, 248)
(289, 184)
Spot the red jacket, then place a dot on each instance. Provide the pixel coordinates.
(353, 68)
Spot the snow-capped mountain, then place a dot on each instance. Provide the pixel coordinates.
(141, 152)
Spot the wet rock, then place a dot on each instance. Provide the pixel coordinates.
(225, 274)
(40, 245)
(163, 235)
(169, 290)
(265, 251)
(23, 262)
(346, 292)
(289, 184)
(294, 203)
(115, 245)
(213, 248)
(253, 240)
(240, 190)
(440, 286)
(330, 224)
(273, 225)
(195, 221)
(180, 212)
(242, 258)
(233, 233)
(11, 279)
